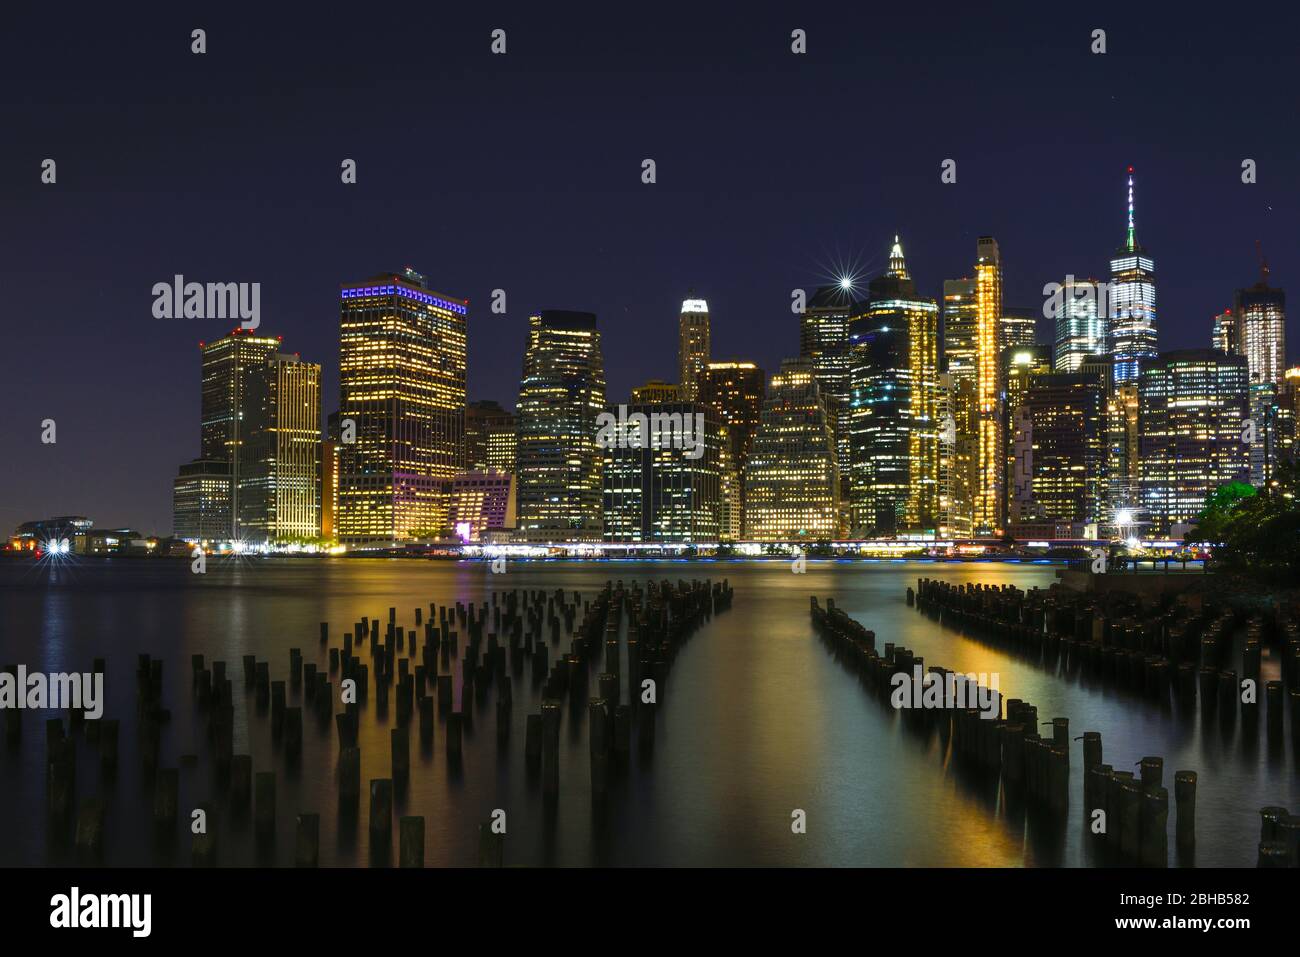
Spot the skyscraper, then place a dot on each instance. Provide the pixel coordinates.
(1223, 336)
(329, 479)
(1016, 327)
(657, 390)
(226, 366)
(693, 345)
(791, 480)
(1259, 334)
(561, 394)
(960, 328)
(734, 392)
(824, 342)
(1192, 407)
(960, 347)
(880, 423)
(1021, 368)
(655, 488)
(278, 479)
(1058, 451)
(482, 501)
(1260, 330)
(894, 407)
(489, 437)
(1133, 302)
(1080, 324)
(990, 466)
(402, 356)
(201, 501)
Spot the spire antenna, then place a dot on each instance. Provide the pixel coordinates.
(897, 264)
(1132, 238)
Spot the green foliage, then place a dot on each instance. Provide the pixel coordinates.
(1217, 515)
(1258, 533)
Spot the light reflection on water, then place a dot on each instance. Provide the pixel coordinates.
(759, 719)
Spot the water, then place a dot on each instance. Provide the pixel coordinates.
(758, 720)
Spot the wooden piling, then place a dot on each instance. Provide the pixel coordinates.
(241, 781)
(166, 800)
(491, 846)
(90, 830)
(264, 805)
(381, 814)
(1185, 798)
(401, 753)
(411, 842)
(350, 776)
(307, 852)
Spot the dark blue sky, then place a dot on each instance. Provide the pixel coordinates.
(522, 172)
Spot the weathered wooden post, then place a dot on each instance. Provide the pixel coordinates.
(1185, 797)
(241, 782)
(491, 846)
(411, 840)
(307, 852)
(381, 815)
(264, 806)
(350, 777)
(401, 754)
(166, 801)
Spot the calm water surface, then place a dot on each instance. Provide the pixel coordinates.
(758, 719)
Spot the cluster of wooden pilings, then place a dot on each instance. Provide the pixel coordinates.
(1179, 650)
(408, 671)
(1008, 746)
(1279, 838)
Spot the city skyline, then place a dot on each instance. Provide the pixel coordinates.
(862, 296)
(576, 228)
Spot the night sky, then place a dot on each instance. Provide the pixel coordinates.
(523, 172)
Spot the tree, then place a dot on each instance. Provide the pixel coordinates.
(1218, 512)
(1260, 533)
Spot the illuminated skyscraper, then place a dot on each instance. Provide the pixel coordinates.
(402, 354)
(947, 432)
(960, 346)
(1016, 328)
(880, 423)
(1224, 334)
(1080, 324)
(481, 501)
(201, 501)
(791, 480)
(656, 488)
(894, 407)
(1133, 302)
(1260, 331)
(960, 328)
(1192, 406)
(1120, 491)
(693, 345)
(1058, 457)
(1259, 334)
(824, 341)
(329, 480)
(561, 394)
(1288, 418)
(734, 392)
(1021, 367)
(278, 479)
(226, 366)
(991, 462)
(657, 391)
(489, 438)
